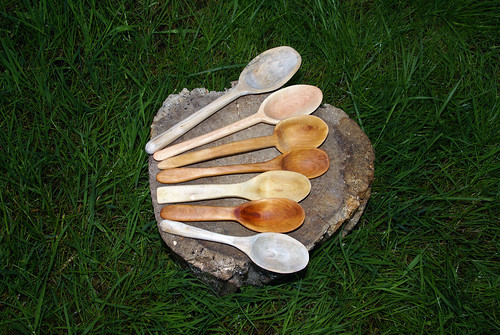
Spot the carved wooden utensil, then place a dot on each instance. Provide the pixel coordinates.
(282, 104)
(311, 162)
(275, 252)
(303, 131)
(267, 72)
(271, 184)
(271, 215)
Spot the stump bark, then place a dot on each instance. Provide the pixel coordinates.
(337, 198)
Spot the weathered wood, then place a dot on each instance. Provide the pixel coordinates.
(337, 198)
(265, 73)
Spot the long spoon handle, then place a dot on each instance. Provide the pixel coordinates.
(197, 213)
(206, 138)
(178, 175)
(219, 151)
(188, 123)
(181, 229)
(184, 193)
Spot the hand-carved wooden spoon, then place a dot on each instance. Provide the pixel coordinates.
(303, 131)
(282, 104)
(311, 162)
(271, 215)
(267, 72)
(271, 184)
(275, 252)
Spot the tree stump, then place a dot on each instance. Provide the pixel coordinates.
(337, 198)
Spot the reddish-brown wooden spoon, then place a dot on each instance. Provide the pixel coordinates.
(311, 162)
(272, 215)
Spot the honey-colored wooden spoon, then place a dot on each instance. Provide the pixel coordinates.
(265, 73)
(303, 131)
(275, 252)
(282, 104)
(271, 215)
(311, 162)
(271, 184)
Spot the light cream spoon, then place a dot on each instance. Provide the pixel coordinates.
(311, 162)
(267, 72)
(271, 184)
(274, 252)
(303, 131)
(271, 215)
(284, 103)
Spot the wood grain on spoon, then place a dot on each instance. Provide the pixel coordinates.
(303, 131)
(271, 184)
(282, 104)
(311, 162)
(276, 215)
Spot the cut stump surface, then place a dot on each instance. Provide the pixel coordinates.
(337, 198)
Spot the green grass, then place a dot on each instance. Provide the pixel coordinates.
(81, 82)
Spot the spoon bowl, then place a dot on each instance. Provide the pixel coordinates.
(302, 131)
(270, 70)
(265, 73)
(277, 215)
(287, 102)
(274, 252)
(298, 132)
(311, 162)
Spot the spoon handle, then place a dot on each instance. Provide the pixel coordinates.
(206, 138)
(181, 229)
(218, 151)
(178, 175)
(188, 123)
(197, 213)
(185, 193)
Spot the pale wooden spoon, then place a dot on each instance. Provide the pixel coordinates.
(271, 184)
(274, 252)
(282, 104)
(271, 215)
(265, 73)
(311, 162)
(303, 131)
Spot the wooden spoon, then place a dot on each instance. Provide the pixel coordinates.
(284, 103)
(267, 72)
(271, 184)
(275, 252)
(311, 162)
(303, 131)
(271, 215)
